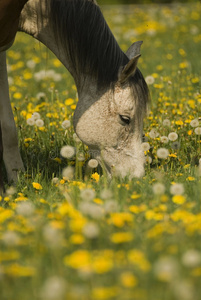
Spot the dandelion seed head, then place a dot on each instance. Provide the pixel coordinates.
(36, 116)
(68, 173)
(164, 139)
(66, 124)
(172, 136)
(39, 123)
(166, 122)
(149, 80)
(145, 146)
(162, 153)
(158, 188)
(91, 230)
(93, 163)
(54, 288)
(87, 194)
(198, 130)
(153, 133)
(25, 209)
(194, 123)
(30, 121)
(67, 151)
(191, 258)
(177, 189)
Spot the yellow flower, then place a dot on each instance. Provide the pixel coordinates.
(17, 95)
(16, 270)
(69, 101)
(178, 199)
(78, 260)
(37, 185)
(95, 176)
(128, 279)
(190, 178)
(76, 239)
(121, 237)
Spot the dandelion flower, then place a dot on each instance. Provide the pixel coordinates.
(67, 151)
(39, 123)
(194, 123)
(30, 121)
(91, 230)
(149, 159)
(25, 209)
(145, 146)
(191, 258)
(166, 268)
(162, 153)
(66, 124)
(10, 238)
(158, 188)
(172, 136)
(166, 122)
(54, 288)
(87, 194)
(111, 206)
(68, 173)
(198, 130)
(153, 133)
(36, 116)
(177, 189)
(149, 79)
(164, 139)
(106, 194)
(93, 163)
(40, 95)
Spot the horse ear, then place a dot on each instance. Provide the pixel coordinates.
(129, 69)
(133, 53)
(134, 49)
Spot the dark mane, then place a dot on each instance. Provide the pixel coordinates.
(88, 41)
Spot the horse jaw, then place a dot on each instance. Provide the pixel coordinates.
(97, 123)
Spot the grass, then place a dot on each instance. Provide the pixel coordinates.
(88, 239)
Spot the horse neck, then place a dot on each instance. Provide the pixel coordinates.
(34, 20)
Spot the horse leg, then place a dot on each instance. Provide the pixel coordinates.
(11, 154)
(2, 189)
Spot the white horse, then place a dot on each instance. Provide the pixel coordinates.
(113, 95)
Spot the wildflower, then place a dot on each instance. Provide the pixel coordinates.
(110, 206)
(166, 269)
(158, 188)
(95, 176)
(194, 123)
(87, 194)
(36, 116)
(153, 133)
(25, 209)
(172, 136)
(68, 173)
(37, 185)
(183, 289)
(128, 280)
(39, 123)
(80, 156)
(11, 191)
(52, 236)
(67, 151)
(177, 189)
(178, 199)
(121, 237)
(166, 122)
(30, 121)
(149, 159)
(31, 64)
(145, 146)
(164, 139)
(91, 209)
(149, 80)
(162, 153)
(40, 96)
(93, 163)
(91, 230)
(66, 124)
(198, 130)
(106, 194)
(10, 238)
(54, 288)
(191, 258)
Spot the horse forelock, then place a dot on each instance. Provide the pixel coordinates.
(80, 27)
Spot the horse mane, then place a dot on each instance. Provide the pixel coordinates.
(79, 25)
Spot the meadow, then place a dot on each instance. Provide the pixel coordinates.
(81, 237)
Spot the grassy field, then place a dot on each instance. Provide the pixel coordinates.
(85, 238)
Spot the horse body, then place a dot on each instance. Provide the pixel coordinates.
(112, 92)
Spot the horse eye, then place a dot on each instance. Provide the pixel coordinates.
(125, 119)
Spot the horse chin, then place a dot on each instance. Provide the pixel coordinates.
(120, 164)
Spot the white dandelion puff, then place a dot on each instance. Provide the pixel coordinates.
(172, 136)
(177, 189)
(145, 146)
(87, 194)
(153, 133)
(36, 116)
(66, 124)
(162, 153)
(25, 209)
(158, 188)
(68, 173)
(91, 230)
(194, 123)
(164, 139)
(166, 122)
(198, 130)
(54, 288)
(93, 163)
(31, 122)
(67, 151)
(39, 123)
(149, 80)
(191, 258)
